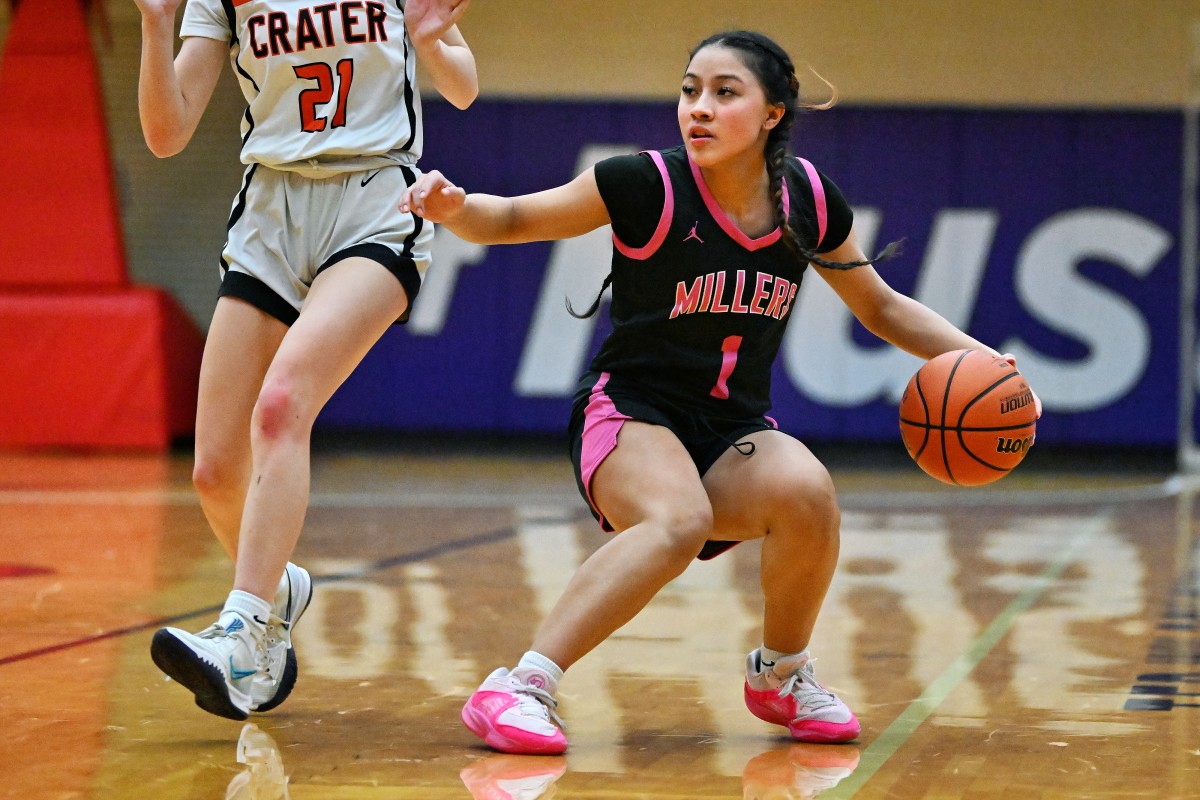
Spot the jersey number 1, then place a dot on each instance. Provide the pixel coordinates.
(729, 353)
(322, 93)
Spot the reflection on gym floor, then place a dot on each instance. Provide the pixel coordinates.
(1037, 638)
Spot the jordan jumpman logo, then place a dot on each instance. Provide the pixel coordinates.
(693, 234)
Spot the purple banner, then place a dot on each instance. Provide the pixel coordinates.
(1049, 234)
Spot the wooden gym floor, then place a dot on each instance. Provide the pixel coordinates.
(1038, 638)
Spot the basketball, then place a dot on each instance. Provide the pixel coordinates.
(967, 417)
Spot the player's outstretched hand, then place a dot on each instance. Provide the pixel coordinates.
(1037, 401)
(433, 197)
(428, 20)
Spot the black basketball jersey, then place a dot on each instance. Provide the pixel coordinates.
(699, 308)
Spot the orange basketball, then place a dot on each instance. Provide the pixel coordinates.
(967, 417)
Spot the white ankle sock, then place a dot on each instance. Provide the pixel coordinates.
(535, 660)
(251, 609)
(768, 658)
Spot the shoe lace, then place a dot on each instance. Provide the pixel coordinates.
(272, 628)
(262, 658)
(261, 661)
(214, 631)
(802, 685)
(536, 701)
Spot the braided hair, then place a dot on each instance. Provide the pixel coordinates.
(775, 71)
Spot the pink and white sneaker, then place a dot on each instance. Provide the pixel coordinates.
(787, 694)
(513, 713)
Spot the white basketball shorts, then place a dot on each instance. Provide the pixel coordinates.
(285, 228)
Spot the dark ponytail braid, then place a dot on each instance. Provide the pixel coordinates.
(775, 71)
(595, 306)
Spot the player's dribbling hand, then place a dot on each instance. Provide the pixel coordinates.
(433, 197)
(1037, 401)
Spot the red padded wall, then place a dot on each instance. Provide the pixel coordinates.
(60, 224)
(97, 369)
(86, 360)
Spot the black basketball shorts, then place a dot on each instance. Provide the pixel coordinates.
(599, 410)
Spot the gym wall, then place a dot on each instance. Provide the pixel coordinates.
(975, 130)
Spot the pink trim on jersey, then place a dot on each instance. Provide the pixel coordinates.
(818, 189)
(664, 221)
(601, 424)
(726, 223)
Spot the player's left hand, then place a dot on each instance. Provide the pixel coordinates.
(433, 197)
(1037, 401)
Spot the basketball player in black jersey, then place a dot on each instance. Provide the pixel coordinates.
(671, 445)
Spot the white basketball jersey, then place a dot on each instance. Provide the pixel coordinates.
(325, 82)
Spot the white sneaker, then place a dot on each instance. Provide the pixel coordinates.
(217, 665)
(277, 679)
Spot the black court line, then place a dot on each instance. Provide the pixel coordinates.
(375, 566)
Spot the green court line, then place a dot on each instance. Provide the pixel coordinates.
(905, 725)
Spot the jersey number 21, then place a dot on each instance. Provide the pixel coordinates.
(322, 93)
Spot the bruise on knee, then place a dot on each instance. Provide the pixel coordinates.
(276, 411)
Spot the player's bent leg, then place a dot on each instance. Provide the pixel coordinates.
(222, 664)
(797, 514)
(795, 511)
(650, 491)
(348, 308)
(237, 352)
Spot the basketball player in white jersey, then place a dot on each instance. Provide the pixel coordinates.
(317, 265)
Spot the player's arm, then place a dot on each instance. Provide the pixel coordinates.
(173, 91)
(890, 315)
(441, 49)
(559, 213)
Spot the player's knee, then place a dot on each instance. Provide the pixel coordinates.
(214, 477)
(686, 529)
(810, 498)
(280, 412)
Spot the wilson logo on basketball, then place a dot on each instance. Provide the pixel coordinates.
(1013, 445)
(1016, 401)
